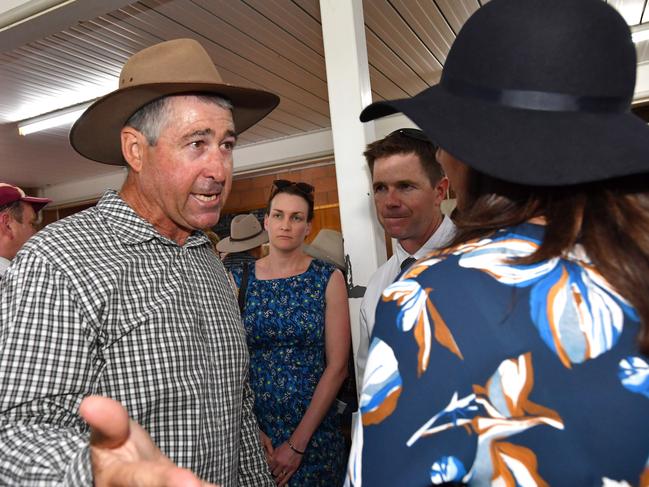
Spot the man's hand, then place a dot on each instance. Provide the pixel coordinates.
(123, 453)
(267, 443)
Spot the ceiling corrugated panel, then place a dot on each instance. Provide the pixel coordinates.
(429, 25)
(388, 25)
(390, 75)
(298, 22)
(269, 44)
(456, 12)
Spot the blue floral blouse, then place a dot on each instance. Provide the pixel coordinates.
(489, 373)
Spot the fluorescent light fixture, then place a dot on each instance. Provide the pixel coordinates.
(640, 32)
(64, 116)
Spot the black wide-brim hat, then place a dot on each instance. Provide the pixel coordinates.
(175, 67)
(536, 92)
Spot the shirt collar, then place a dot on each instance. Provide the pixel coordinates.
(131, 228)
(4, 265)
(440, 237)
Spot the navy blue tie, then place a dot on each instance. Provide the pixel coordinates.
(404, 265)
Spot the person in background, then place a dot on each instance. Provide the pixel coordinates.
(297, 326)
(518, 355)
(244, 245)
(18, 216)
(409, 187)
(127, 300)
(328, 246)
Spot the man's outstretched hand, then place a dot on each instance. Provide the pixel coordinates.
(123, 453)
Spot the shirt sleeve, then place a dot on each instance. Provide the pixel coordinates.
(45, 370)
(253, 469)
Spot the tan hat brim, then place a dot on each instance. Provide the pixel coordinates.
(227, 245)
(317, 253)
(96, 134)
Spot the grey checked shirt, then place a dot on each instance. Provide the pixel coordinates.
(101, 303)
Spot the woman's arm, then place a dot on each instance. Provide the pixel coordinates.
(337, 345)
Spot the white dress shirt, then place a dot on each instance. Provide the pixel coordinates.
(4, 264)
(382, 278)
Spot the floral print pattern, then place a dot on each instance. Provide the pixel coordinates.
(495, 411)
(541, 356)
(284, 322)
(447, 469)
(577, 313)
(416, 312)
(381, 384)
(634, 374)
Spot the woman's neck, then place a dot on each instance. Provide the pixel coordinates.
(278, 264)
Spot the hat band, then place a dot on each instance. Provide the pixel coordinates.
(536, 100)
(232, 239)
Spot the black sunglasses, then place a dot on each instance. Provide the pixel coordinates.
(412, 133)
(304, 188)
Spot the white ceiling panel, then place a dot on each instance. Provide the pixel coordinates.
(76, 53)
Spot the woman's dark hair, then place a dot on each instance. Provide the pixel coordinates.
(303, 190)
(610, 219)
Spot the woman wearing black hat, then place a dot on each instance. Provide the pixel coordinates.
(519, 354)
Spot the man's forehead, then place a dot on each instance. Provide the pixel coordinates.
(28, 209)
(401, 165)
(200, 125)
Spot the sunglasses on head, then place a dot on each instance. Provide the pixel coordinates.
(412, 133)
(303, 188)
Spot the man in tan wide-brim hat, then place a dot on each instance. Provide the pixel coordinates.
(244, 245)
(127, 300)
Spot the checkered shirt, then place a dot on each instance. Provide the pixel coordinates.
(101, 303)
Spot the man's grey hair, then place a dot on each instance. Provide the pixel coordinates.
(152, 117)
(15, 209)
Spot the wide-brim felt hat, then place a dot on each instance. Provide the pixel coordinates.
(168, 68)
(245, 233)
(328, 246)
(536, 92)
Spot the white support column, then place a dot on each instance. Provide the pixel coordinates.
(348, 84)
(642, 82)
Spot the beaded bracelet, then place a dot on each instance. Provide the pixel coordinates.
(292, 447)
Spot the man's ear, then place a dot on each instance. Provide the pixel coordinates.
(5, 220)
(133, 146)
(441, 190)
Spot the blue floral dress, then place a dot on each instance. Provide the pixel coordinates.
(489, 373)
(284, 321)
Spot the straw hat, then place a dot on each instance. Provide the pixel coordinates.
(328, 246)
(245, 234)
(536, 92)
(168, 68)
